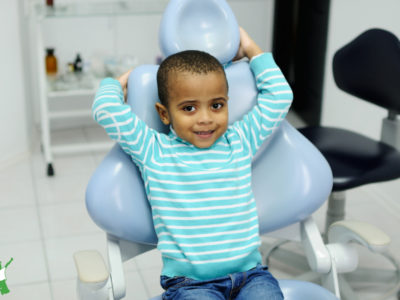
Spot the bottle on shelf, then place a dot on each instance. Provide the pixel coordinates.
(71, 67)
(78, 64)
(49, 3)
(51, 62)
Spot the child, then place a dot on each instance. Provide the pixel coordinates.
(198, 177)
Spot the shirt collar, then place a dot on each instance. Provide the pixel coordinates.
(172, 134)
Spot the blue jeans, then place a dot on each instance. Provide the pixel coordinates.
(257, 283)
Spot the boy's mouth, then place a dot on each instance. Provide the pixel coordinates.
(204, 134)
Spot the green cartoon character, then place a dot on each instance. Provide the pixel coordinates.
(3, 286)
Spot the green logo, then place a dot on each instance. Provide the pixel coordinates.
(3, 286)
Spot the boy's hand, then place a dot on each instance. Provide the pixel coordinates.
(123, 80)
(247, 48)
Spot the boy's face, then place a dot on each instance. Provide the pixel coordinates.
(197, 107)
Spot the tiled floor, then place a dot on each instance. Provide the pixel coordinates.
(43, 221)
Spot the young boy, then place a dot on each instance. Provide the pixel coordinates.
(198, 177)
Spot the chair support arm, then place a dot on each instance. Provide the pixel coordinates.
(116, 269)
(363, 233)
(317, 254)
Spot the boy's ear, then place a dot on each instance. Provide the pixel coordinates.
(163, 113)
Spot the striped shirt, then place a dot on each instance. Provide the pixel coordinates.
(203, 208)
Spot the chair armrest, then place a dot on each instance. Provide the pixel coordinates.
(363, 233)
(90, 266)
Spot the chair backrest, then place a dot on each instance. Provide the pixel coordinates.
(299, 184)
(369, 68)
(207, 25)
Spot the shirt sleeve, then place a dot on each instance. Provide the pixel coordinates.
(120, 123)
(273, 102)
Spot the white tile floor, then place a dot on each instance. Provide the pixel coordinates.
(43, 221)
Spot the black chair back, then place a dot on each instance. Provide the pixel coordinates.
(369, 68)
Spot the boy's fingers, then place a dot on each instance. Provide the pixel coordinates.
(239, 54)
(123, 79)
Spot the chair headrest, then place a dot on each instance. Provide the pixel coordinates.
(369, 68)
(206, 25)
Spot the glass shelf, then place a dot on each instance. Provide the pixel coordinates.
(79, 9)
(72, 84)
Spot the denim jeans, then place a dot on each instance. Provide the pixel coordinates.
(257, 283)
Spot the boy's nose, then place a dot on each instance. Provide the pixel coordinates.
(205, 117)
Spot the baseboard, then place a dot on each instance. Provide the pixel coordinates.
(8, 161)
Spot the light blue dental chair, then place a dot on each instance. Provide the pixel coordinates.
(299, 184)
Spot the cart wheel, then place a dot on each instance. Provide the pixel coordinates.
(50, 170)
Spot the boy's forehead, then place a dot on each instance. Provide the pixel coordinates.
(176, 75)
(196, 86)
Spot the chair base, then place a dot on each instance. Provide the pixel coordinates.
(390, 133)
(336, 208)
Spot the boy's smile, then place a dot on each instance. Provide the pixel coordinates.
(197, 107)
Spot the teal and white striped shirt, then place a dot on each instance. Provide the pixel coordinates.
(203, 208)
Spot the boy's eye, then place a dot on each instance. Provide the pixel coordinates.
(217, 105)
(189, 108)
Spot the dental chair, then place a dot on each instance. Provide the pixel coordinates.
(286, 198)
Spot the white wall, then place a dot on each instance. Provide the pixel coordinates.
(13, 126)
(256, 16)
(347, 20)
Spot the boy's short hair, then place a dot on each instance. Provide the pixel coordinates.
(192, 61)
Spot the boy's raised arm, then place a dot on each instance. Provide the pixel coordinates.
(274, 93)
(116, 117)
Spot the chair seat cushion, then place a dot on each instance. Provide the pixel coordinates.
(303, 290)
(355, 159)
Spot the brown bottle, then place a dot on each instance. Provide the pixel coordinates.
(51, 62)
